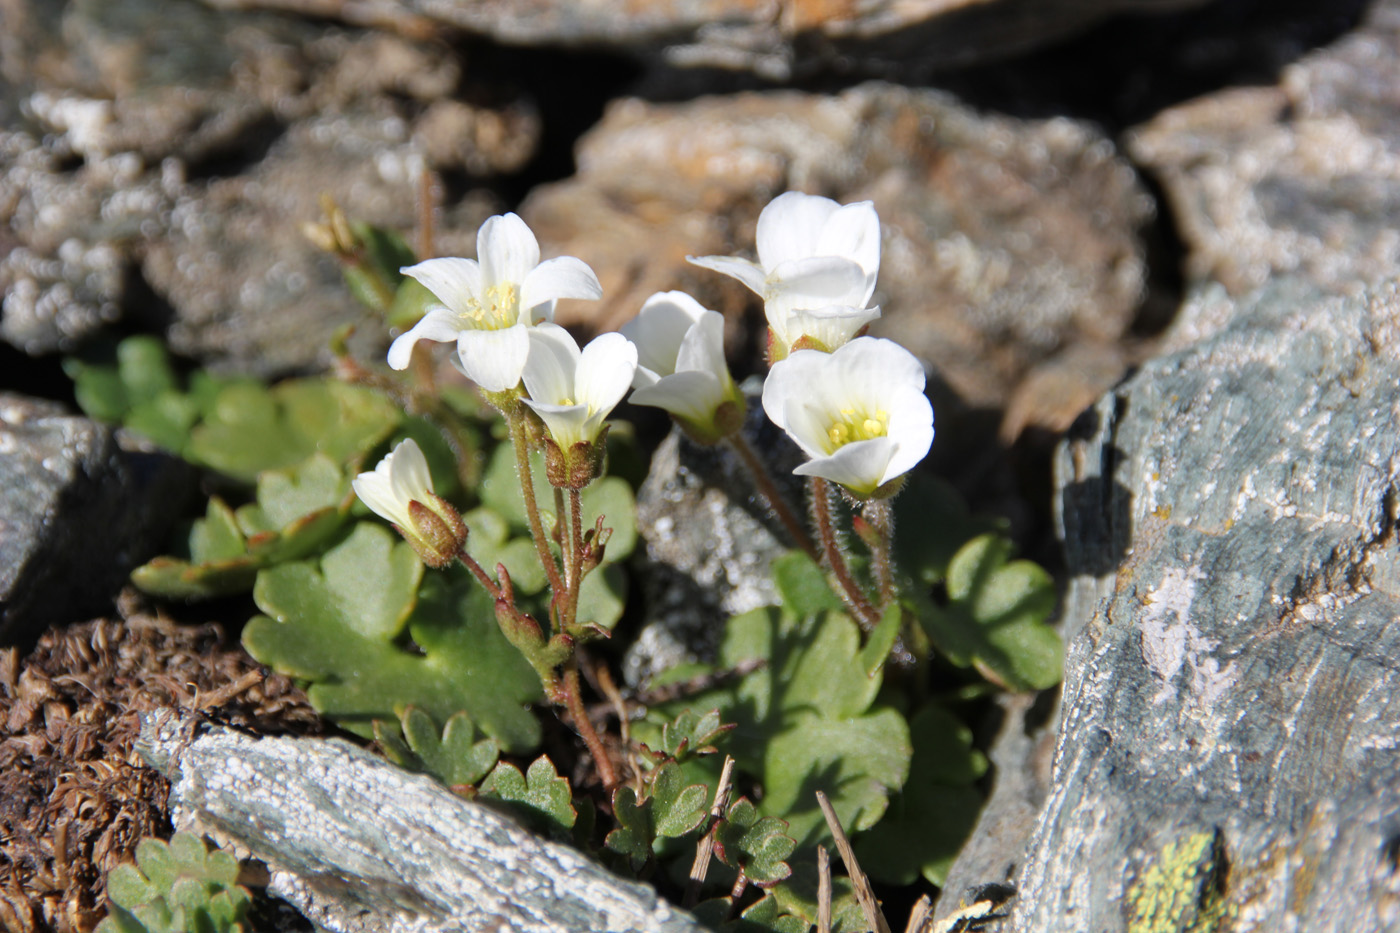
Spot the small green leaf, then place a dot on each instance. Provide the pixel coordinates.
(678, 807)
(927, 824)
(540, 794)
(798, 896)
(691, 734)
(995, 617)
(803, 586)
(454, 756)
(458, 660)
(769, 917)
(757, 845)
(217, 537)
(636, 828)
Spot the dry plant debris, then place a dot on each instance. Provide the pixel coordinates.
(74, 797)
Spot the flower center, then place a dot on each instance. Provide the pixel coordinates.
(857, 426)
(497, 309)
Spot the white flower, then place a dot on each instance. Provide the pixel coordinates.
(573, 391)
(681, 365)
(814, 256)
(400, 490)
(488, 304)
(860, 413)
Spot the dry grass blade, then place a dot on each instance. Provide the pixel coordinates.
(823, 890)
(920, 916)
(705, 848)
(865, 895)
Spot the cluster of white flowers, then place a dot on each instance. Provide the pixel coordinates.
(854, 404)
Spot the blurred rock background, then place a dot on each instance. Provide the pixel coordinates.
(1070, 191)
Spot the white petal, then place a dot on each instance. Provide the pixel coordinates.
(853, 232)
(373, 490)
(455, 282)
(605, 373)
(702, 349)
(870, 368)
(859, 466)
(789, 227)
(818, 282)
(552, 366)
(438, 324)
(660, 327)
(790, 379)
(693, 396)
(507, 250)
(567, 424)
(751, 274)
(831, 327)
(408, 472)
(911, 425)
(565, 277)
(494, 359)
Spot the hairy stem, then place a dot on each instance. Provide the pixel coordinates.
(769, 490)
(880, 516)
(573, 701)
(850, 591)
(527, 491)
(575, 548)
(480, 573)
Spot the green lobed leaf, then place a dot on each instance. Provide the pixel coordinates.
(804, 721)
(678, 806)
(996, 617)
(249, 428)
(798, 896)
(541, 795)
(928, 822)
(802, 585)
(454, 755)
(338, 622)
(757, 845)
(691, 734)
(636, 828)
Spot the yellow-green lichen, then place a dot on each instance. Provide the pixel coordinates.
(1182, 889)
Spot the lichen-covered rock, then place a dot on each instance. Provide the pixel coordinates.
(77, 513)
(1229, 515)
(1006, 241)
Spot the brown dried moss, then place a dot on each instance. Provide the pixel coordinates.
(74, 797)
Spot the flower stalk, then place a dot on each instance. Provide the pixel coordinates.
(768, 489)
(834, 553)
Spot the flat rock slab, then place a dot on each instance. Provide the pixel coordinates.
(358, 844)
(1233, 693)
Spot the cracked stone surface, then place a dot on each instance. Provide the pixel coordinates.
(1229, 515)
(362, 846)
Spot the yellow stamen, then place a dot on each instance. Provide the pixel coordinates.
(498, 309)
(857, 427)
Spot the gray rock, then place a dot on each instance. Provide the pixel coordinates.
(1229, 515)
(167, 140)
(1302, 177)
(710, 541)
(360, 845)
(77, 512)
(1006, 242)
(754, 34)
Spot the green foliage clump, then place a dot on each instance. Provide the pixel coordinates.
(180, 887)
